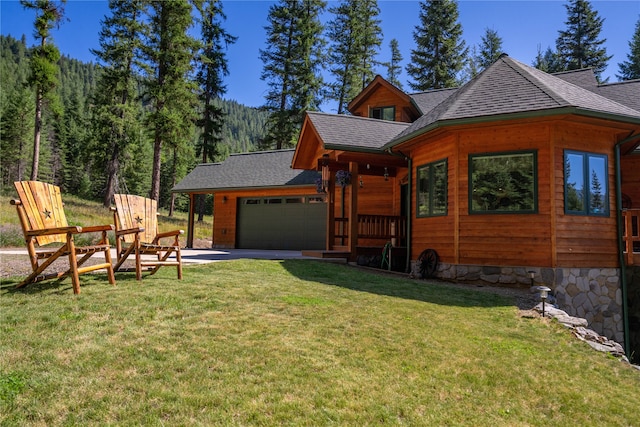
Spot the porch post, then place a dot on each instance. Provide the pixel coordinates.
(353, 212)
(190, 222)
(331, 213)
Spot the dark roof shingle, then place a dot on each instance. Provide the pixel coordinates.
(509, 87)
(338, 130)
(247, 170)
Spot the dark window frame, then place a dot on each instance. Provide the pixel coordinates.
(382, 110)
(587, 184)
(502, 154)
(431, 169)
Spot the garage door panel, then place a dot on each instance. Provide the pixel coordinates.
(272, 223)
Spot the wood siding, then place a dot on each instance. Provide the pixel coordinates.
(548, 238)
(383, 97)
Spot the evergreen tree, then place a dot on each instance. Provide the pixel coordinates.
(117, 111)
(394, 69)
(578, 46)
(356, 37)
(490, 49)
(291, 66)
(16, 110)
(169, 50)
(212, 67)
(547, 61)
(630, 70)
(44, 66)
(440, 52)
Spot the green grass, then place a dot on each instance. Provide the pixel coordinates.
(83, 212)
(294, 343)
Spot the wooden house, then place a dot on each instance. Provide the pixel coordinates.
(517, 177)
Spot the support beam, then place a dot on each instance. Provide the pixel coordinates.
(353, 211)
(191, 222)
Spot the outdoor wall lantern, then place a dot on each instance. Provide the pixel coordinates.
(386, 174)
(325, 172)
(532, 275)
(544, 293)
(224, 199)
(361, 182)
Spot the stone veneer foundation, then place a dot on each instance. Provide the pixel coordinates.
(590, 293)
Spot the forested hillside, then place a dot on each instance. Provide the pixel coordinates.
(70, 154)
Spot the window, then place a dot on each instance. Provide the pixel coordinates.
(503, 183)
(384, 113)
(585, 184)
(432, 189)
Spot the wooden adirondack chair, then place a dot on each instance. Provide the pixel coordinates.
(44, 222)
(137, 232)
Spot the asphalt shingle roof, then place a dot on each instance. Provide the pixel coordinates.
(338, 130)
(509, 87)
(247, 170)
(626, 93)
(429, 100)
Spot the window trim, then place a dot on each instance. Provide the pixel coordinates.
(586, 156)
(382, 108)
(431, 166)
(534, 210)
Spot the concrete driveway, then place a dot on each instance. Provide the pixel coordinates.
(204, 256)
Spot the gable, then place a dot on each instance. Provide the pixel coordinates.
(380, 93)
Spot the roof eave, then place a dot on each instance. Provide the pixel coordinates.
(511, 116)
(219, 189)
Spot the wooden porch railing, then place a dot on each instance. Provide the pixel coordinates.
(383, 227)
(631, 237)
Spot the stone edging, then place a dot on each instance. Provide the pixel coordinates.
(579, 328)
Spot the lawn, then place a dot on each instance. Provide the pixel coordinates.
(299, 342)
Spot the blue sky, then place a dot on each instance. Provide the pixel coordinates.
(523, 26)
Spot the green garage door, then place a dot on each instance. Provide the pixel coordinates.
(291, 222)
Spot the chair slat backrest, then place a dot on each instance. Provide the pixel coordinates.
(42, 208)
(137, 211)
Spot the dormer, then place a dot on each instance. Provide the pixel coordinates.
(382, 100)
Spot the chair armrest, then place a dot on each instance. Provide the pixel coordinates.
(15, 202)
(55, 230)
(129, 231)
(173, 233)
(169, 234)
(94, 228)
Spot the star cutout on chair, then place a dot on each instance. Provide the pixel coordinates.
(138, 219)
(46, 213)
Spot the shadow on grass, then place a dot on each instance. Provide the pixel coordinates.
(383, 283)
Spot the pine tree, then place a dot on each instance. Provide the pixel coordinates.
(116, 112)
(44, 66)
(579, 45)
(356, 35)
(440, 52)
(291, 68)
(547, 61)
(490, 48)
(394, 69)
(212, 67)
(169, 50)
(630, 70)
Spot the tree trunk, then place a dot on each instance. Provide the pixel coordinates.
(36, 136)
(155, 174)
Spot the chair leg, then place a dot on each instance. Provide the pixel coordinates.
(73, 266)
(110, 274)
(138, 265)
(179, 259)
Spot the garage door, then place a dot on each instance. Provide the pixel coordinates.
(291, 222)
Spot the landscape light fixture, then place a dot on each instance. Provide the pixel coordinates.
(544, 293)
